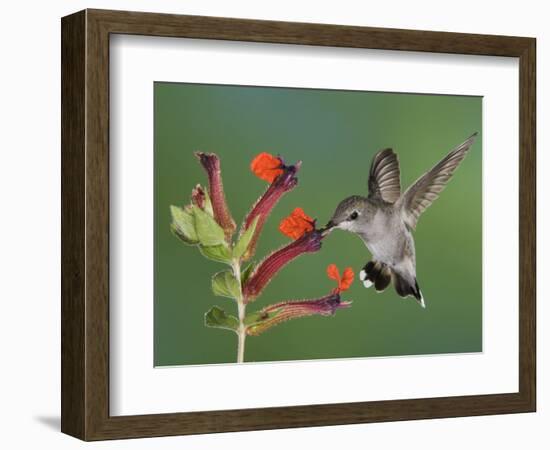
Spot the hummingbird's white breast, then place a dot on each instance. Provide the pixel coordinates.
(387, 237)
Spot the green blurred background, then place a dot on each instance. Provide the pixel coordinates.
(335, 133)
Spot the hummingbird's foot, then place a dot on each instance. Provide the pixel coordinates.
(376, 273)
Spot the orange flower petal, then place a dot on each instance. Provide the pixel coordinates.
(333, 273)
(288, 228)
(347, 279)
(296, 224)
(267, 167)
(299, 214)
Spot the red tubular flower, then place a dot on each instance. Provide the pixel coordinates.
(211, 164)
(281, 312)
(297, 224)
(262, 275)
(284, 182)
(345, 281)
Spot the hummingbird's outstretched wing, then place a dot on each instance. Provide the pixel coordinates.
(384, 175)
(427, 188)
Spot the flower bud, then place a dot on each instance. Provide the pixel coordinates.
(211, 164)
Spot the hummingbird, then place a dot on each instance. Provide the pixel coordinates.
(386, 218)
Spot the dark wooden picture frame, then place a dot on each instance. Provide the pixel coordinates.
(85, 224)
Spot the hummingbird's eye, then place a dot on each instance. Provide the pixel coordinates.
(354, 215)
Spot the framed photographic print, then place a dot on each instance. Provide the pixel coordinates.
(271, 224)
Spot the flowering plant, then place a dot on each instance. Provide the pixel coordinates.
(207, 223)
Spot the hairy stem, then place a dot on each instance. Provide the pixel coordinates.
(241, 332)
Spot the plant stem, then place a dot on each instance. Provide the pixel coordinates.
(241, 332)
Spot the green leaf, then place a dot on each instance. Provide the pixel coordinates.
(245, 274)
(220, 253)
(217, 318)
(244, 241)
(225, 284)
(183, 225)
(209, 232)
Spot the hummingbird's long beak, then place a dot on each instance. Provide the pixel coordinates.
(327, 228)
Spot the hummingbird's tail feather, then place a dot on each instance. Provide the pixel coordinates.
(380, 275)
(405, 289)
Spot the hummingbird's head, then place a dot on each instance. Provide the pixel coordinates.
(349, 215)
